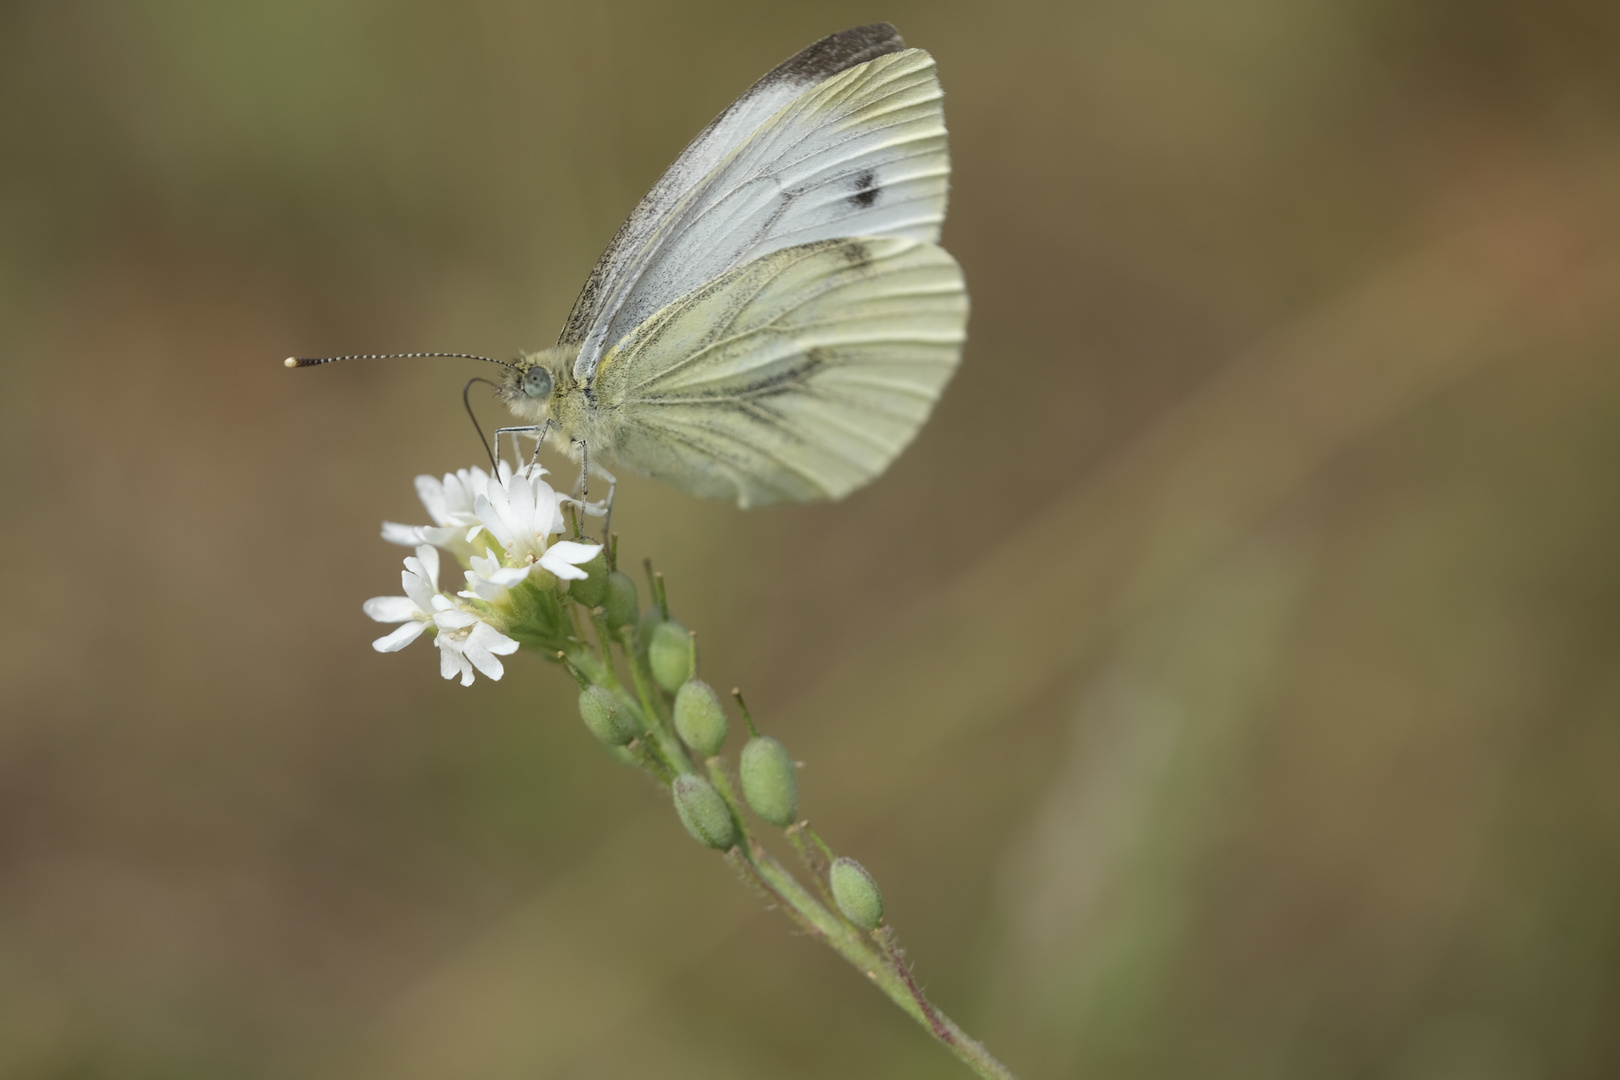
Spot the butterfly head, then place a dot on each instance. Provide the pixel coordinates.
(531, 382)
(536, 383)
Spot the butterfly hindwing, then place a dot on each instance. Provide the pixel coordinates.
(799, 375)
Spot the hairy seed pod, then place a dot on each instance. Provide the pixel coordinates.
(605, 717)
(699, 719)
(704, 813)
(857, 894)
(669, 654)
(591, 590)
(770, 780)
(622, 604)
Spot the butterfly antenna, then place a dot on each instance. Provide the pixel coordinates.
(467, 402)
(314, 361)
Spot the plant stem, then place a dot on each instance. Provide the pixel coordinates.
(658, 722)
(875, 953)
(604, 644)
(816, 869)
(884, 936)
(882, 966)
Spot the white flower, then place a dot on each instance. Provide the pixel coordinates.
(522, 513)
(489, 580)
(449, 503)
(565, 557)
(415, 609)
(465, 641)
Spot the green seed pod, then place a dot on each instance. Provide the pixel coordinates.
(704, 813)
(857, 894)
(621, 603)
(591, 590)
(604, 716)
(669, 654)
(770, 780)
(699, 719)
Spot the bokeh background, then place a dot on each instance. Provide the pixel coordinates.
(1224, 685)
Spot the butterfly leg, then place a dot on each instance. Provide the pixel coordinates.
(539, 441)
(586, 467)
(539, 430)
(584, 484)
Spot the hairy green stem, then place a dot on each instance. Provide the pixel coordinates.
(875, 953)
(660, 728)
(814, 866)
(882, 965)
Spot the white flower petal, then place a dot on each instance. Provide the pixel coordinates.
(483, 588)
(431, 491)
(452, 663)
(484, 660)
(400, 637)
(574, 552)
(493, 640)
(520, 500)
(454, 619)
(439, 536)
(390, 608)
(406, 535)
(430, 559)
(482, 645)
(416, 586)
(561, 557)
(509, 576)
(459, 491)
(564, 571)
(487, 513)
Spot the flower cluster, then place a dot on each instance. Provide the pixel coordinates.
(522, 585)
(501, 529)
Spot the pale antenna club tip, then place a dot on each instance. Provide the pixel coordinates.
(291, 361)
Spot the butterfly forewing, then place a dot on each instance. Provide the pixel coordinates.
(805, 69)
(862, 153)
(799, 375)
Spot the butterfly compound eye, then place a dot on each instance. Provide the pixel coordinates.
(537, 382)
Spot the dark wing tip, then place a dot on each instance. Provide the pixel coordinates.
(839, 51)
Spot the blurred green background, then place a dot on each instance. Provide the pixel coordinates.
(1224, 685)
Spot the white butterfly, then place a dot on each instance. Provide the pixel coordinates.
(775, 320)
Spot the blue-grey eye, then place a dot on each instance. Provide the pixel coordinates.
(537, 382)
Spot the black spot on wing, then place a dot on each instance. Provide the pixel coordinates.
(836, 53)
(866, 189)
(854, 252)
